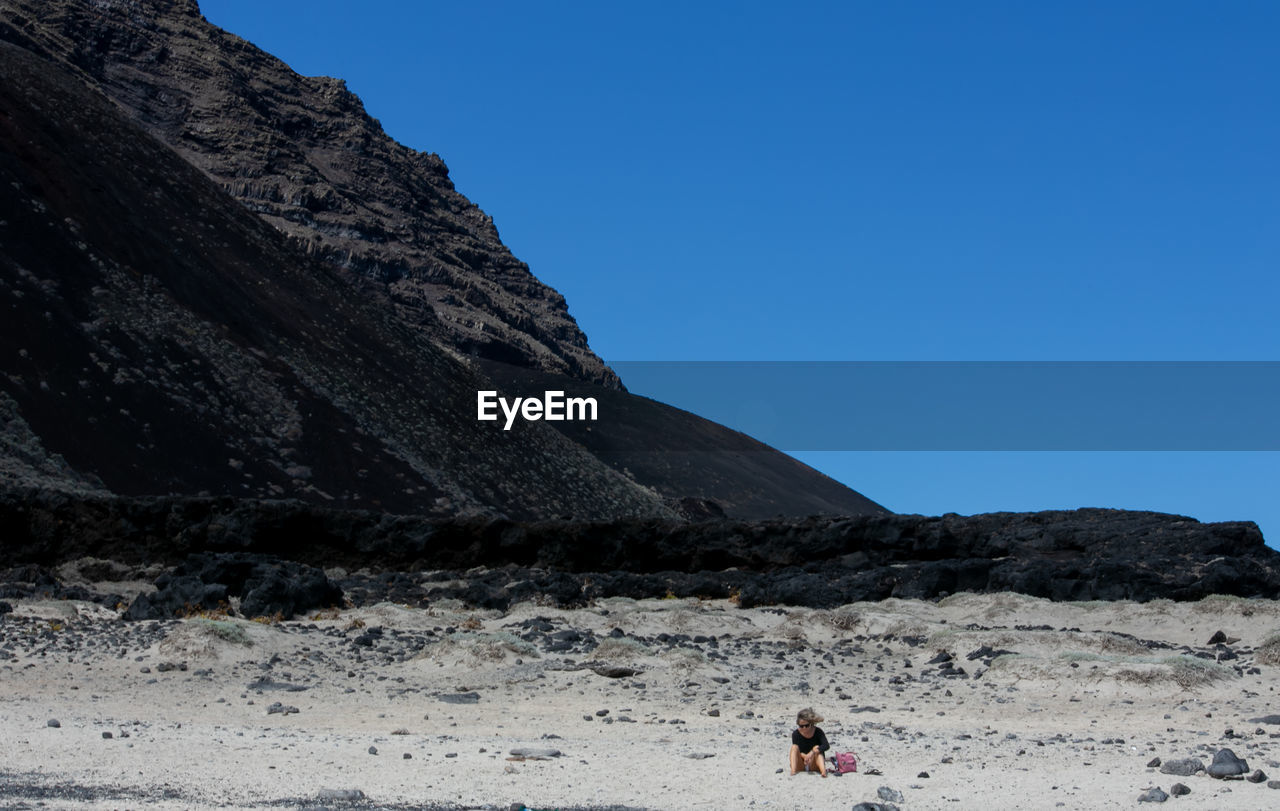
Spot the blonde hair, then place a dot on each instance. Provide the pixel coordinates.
(807, 714)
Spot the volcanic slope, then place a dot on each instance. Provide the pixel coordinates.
(161, 340)
(304, 154)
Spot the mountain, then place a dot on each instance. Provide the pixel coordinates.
(304, 154)
(220, 278)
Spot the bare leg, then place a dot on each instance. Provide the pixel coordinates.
(821, 762)
(797, 759)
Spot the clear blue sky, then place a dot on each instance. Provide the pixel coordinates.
(865, 181)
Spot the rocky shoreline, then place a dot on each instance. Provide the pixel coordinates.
(288, 557)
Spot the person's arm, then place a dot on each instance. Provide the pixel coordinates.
(823, 746)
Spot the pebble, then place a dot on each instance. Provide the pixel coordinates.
(1179, 790)
(1257, 777)
(373, 750)
(459, 698)
(1153, 795)
(538, 752)
(408, 756)
(53, 722)
(106, 736)
(345, 794)
(889, 795)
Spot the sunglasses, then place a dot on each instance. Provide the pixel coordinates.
(803, 726)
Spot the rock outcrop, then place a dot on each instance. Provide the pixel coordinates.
(822, 562)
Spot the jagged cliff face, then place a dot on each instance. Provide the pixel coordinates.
(156, 337)
(182, 220)
(304, 155)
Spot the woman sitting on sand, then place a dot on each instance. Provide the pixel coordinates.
(808, 742)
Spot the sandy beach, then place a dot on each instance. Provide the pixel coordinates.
(996, 701)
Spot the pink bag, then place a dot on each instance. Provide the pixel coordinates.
(844, 762)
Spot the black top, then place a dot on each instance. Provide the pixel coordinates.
(819, 740)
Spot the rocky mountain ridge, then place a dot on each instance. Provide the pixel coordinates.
(158, 337)
(304, 154)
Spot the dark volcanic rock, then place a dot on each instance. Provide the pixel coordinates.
(1184, 767)
(1108, 554)
(266, 587)
(177, 596)
(1226, 764)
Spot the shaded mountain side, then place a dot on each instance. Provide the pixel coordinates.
(161, 338)
(702, 468)
(158, 338)
(303, 153)
(1062, 555)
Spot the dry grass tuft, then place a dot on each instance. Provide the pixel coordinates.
(1268, 652)
(483, 647)
(844, 620)
(620, 649)
(685, 659)
(1225, 604)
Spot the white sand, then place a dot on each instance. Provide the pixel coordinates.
(1032, 732)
